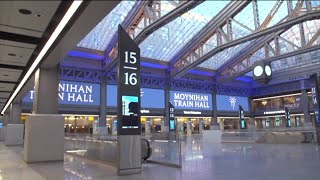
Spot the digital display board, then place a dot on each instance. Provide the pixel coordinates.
(243, 124)
(231, 103)
(315, 98)
(191, 100)
(287, 116)
(75, 93)
(129, 82)
(150, 98)
(172, 122)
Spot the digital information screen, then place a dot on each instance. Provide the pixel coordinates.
(172, 123)
(128, 96)
(315, 99)
(243, 124)
(287, 115)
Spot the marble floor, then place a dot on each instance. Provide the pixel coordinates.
(199, 161)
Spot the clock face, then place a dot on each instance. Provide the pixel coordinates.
(258, 70)
(267, 69)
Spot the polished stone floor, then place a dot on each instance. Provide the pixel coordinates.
(199, 161)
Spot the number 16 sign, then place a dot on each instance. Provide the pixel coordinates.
(128, 85)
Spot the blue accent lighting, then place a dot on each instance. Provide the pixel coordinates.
(153, 65)
(203, 73)
(85, 55)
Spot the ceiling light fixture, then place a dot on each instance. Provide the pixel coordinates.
(25, 11)
(11, 54)
(73, 8)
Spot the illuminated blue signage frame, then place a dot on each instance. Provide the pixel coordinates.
(74, 93)
(231, 103)
(191, 100)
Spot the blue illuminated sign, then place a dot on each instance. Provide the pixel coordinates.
(231, 103)
(76, 93)
(191, 100)
(112, 95)
(150, 98)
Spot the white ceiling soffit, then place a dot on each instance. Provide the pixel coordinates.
(4, 94)
(6, 86)
(11, 75)
(29, 18)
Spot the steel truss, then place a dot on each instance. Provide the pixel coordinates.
(79, 74)
(284, 87)
(184, 65)
(241, 63)
(150, 14)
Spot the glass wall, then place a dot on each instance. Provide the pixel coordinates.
(230, 123)
(198, 124)
(78, 124)
(279, 103)
(279, 122)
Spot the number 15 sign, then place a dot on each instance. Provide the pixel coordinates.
(128, 85)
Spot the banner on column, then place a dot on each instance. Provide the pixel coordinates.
(243, 124)
(315, 98)
(128, 85)
(287, 116)
(172, 122)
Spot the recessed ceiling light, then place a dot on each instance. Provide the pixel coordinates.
(6, 75)
(11, 54)
(25, 11)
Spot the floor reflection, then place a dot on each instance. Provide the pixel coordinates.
(199, 161)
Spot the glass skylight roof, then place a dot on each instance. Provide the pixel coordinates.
(293, 34)
(166, 41)
(166, 7)
(297, 61)
(100, 36)
(222, 57)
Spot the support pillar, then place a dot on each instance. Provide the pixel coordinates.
(189, 128)
(305, 107)
(147, 126)
(165, 127)
(44, 132)
(214, 121)
(103, 130)
(251, 118)
(15, 113)
(46, 91)
(6, 117)
(5, 121)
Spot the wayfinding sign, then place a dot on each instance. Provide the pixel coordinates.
(287, 116)
(243, 124)
(128, 98)
(315, 99)
(172, 122)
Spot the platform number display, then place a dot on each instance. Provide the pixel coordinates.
(172, 122)
(130, 59)
(243, 124)
(128, 96)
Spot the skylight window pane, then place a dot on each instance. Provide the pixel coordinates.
(100, 36)
(181, 30)
(222, 57)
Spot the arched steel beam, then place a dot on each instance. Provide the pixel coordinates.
(274, 58)
(256, 45)
(219, 20)
(280, 26)
(184, 7)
